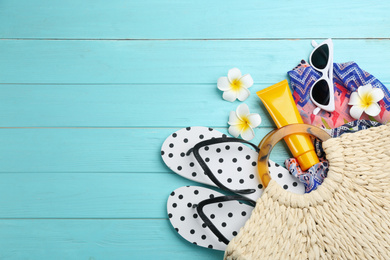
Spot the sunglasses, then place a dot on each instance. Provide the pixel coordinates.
(322, 92)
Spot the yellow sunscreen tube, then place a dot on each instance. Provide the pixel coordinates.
(280, 105)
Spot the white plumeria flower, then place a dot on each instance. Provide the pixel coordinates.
(365, 100)
(235, 86)
(242, 122)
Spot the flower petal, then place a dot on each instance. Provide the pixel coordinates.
(377, 94)
(247, 134)
(354, 99)
(229, 95)
(373, 109)
(234, 130)
(247, 81)
(243, 94)
(233, 119)
(364, 90)
(234, 74)
(242, 111)
(254, 120)
(223, 84)
(356, 111)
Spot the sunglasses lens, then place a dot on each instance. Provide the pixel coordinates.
(320, 57)
(320, 92)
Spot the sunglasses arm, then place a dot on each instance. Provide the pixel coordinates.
(316, 110)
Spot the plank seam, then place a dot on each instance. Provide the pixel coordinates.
(185, 39)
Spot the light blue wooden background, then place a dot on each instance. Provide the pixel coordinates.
(90, 89)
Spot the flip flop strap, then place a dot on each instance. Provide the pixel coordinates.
(207, 170)
(207, 221)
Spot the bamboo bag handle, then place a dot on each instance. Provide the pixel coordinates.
(273, 137)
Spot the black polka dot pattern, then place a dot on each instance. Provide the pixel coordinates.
(226, 216)
(233, 164)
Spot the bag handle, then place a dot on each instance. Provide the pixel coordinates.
(273, 137)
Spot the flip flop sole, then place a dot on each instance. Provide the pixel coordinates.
(228, 216)
(233, 164)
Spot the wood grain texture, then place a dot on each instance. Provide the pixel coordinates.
(120, 105)
(172, 19)
(89, 90)
(92, 150)
(172, 62)
(96, 239)
(87, 195)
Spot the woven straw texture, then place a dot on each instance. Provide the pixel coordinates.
(347, 217)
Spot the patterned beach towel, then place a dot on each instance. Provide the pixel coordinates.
(347, 78)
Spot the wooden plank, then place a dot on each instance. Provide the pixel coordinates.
(87, 195)
(92, 150)
(120, 106)
(96, 239)
(203, 19)
(171, 62)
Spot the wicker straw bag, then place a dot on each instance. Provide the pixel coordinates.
(347, 217)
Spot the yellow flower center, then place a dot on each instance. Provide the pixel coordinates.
(244, 124)
(236, 84)
(366, 100)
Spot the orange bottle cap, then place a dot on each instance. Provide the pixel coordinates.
(307, 160)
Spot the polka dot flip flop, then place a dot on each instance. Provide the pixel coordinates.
(210, 157)
(205, 217)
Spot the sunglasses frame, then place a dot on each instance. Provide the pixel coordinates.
(327, 75)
